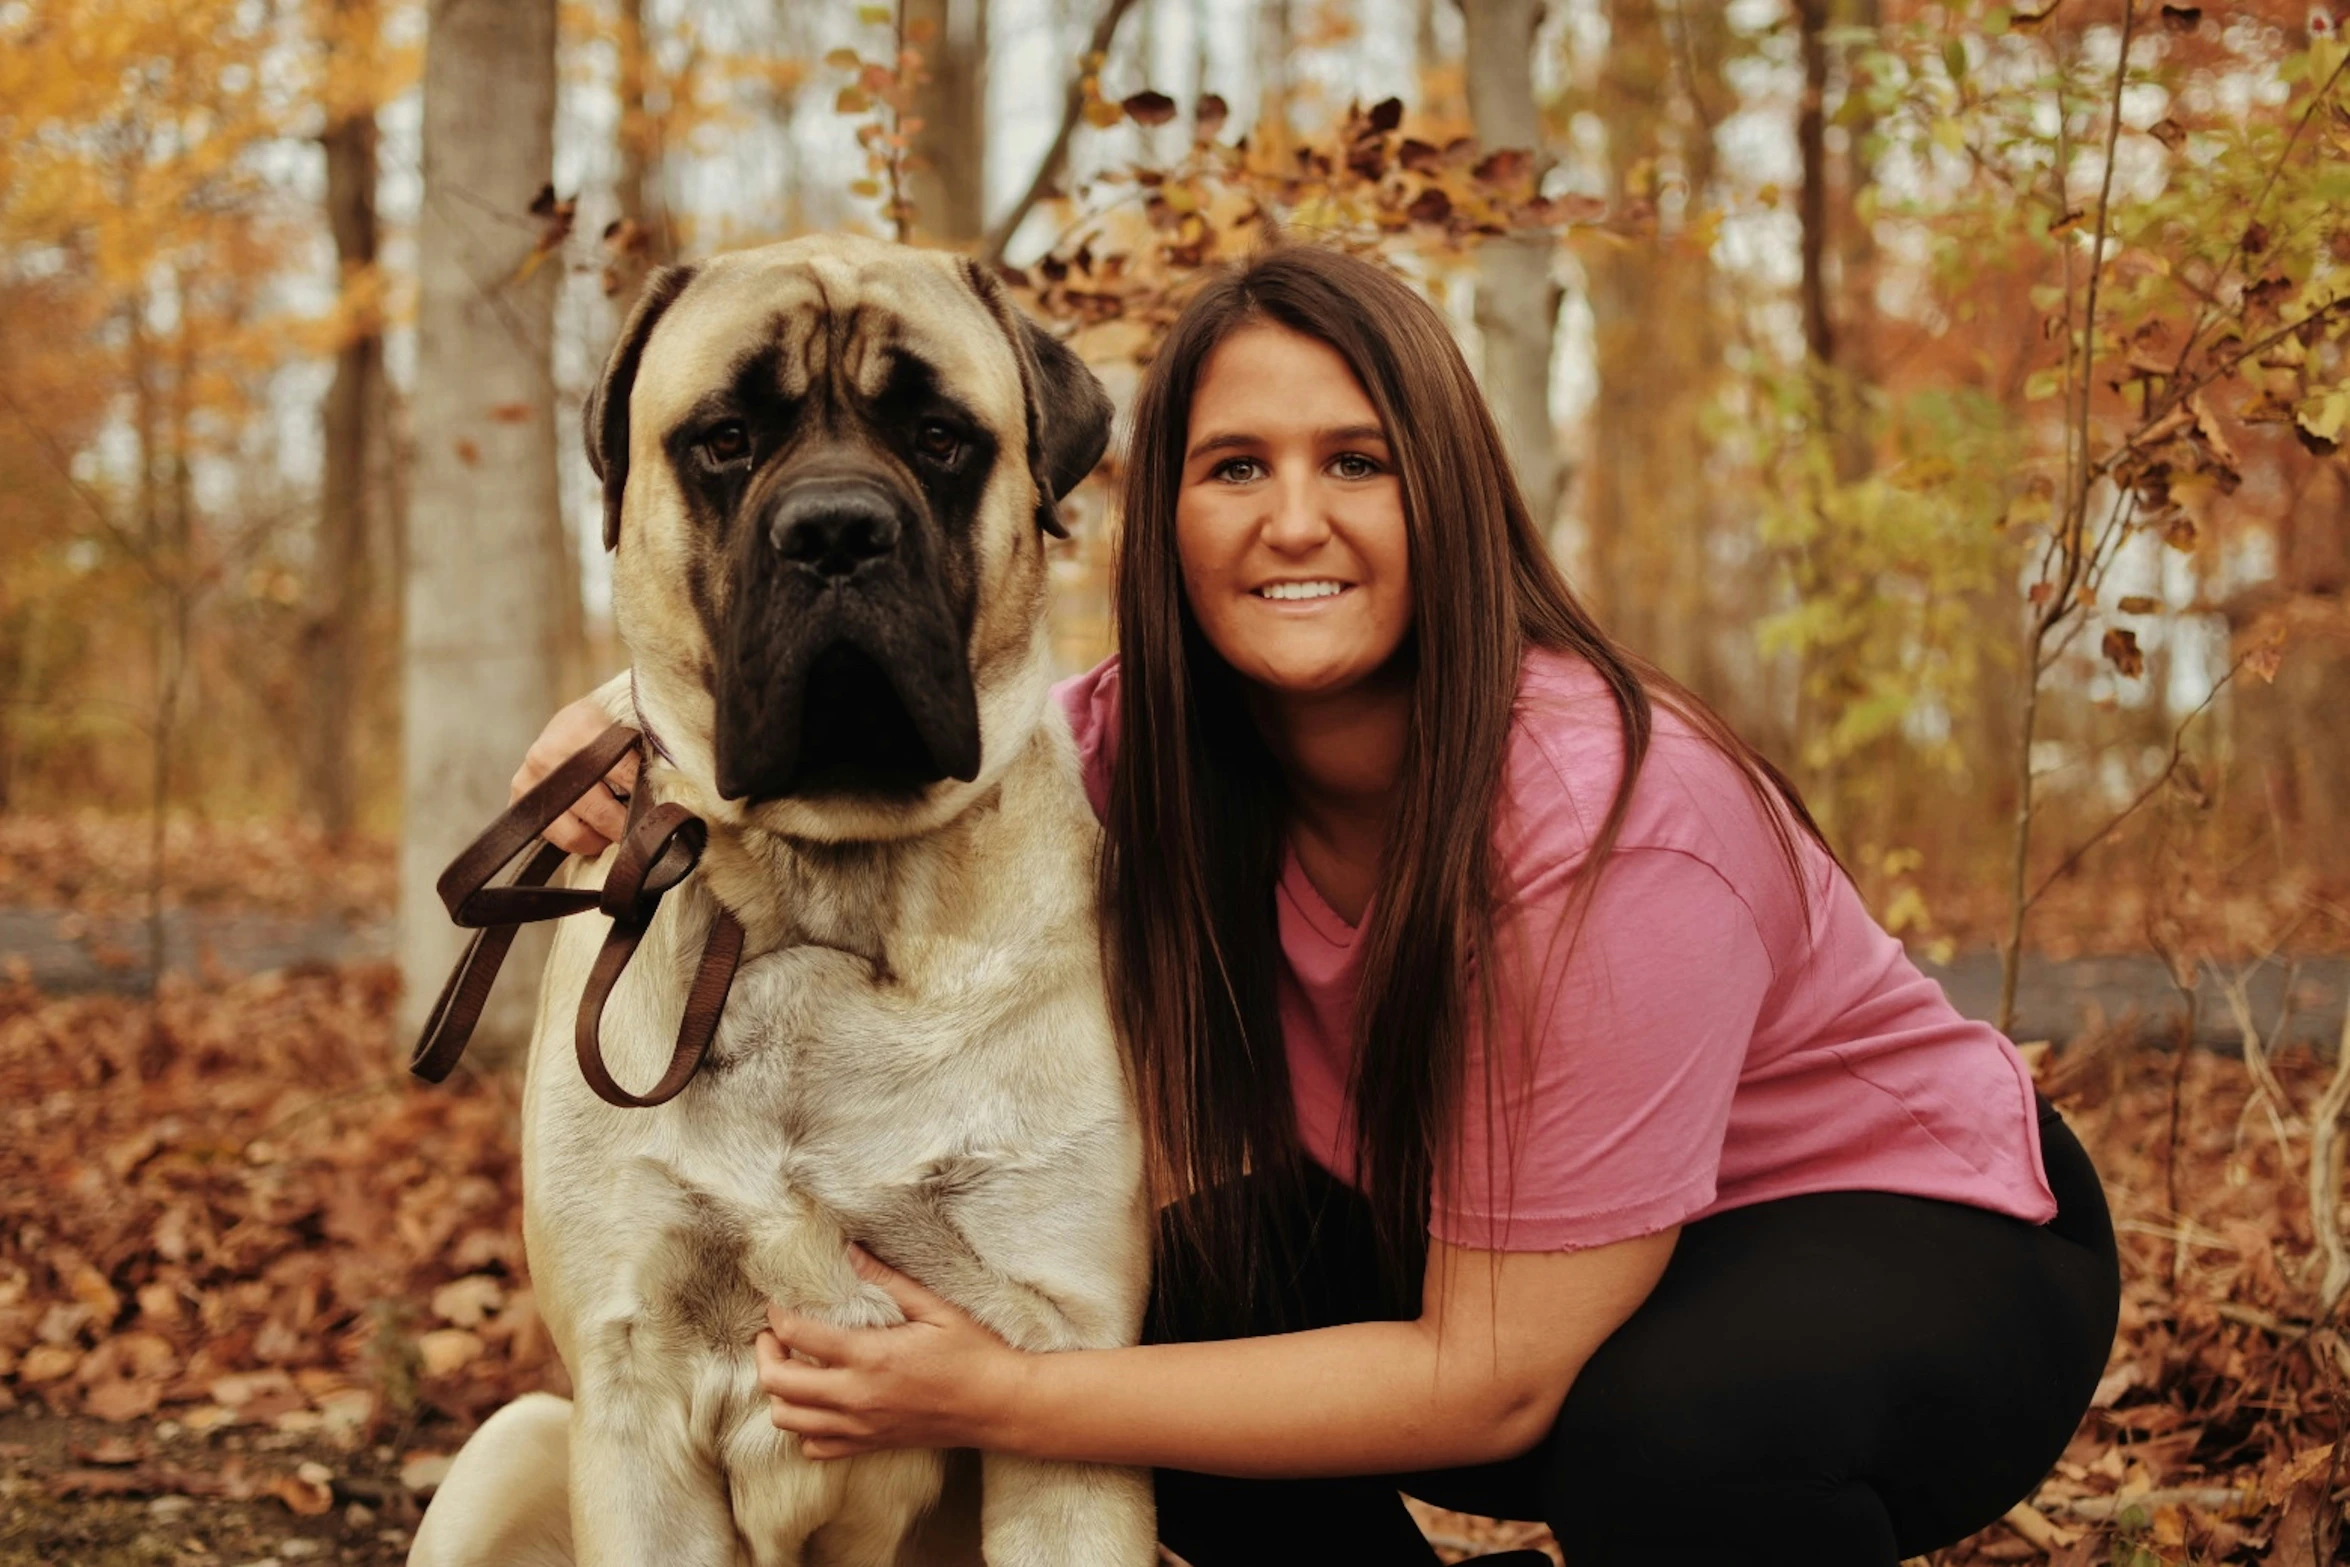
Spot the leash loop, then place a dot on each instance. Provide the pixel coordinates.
(661, 846)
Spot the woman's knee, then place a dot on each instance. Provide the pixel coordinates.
(1693, 1464)
(1764, 1525)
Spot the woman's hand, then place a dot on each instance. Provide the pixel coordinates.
(598, 818)
(937, 1380)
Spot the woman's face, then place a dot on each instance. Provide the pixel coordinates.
(1290, 523)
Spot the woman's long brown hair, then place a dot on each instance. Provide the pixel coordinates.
(1194, 830)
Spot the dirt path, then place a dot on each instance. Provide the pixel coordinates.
(80, 1493)
(2056, 999)
(70, 954)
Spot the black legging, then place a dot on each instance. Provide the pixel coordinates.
(1837, 1380)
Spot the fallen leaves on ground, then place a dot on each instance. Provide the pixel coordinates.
(238, 1215)
(102, 867)
(237, 1211)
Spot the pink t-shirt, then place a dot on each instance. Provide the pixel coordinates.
(1700, 1047)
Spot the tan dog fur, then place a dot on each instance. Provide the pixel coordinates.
(916, 1054)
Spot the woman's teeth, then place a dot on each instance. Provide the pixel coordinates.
(1300, 590)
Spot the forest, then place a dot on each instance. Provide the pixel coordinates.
(1954, 396)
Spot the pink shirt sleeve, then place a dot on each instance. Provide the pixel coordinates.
(1090, 701)
(1603, 1114)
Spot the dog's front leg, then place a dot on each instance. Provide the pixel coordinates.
(1037, 1513)
(644, 1491)
(1040, 1513)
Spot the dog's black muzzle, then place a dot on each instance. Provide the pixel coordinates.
(841, 663)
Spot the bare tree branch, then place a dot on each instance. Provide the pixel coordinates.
(2177, 754)
(2079, 474)
(1105, 32)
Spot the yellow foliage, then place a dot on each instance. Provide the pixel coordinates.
(144, 223)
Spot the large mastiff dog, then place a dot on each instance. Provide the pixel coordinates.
(827, 467)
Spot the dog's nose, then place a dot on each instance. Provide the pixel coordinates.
(834, 526)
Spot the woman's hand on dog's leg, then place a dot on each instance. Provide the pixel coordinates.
(938, 1379)
(600, 816)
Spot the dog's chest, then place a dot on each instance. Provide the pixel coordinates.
(843, 1103)
(823, 1045)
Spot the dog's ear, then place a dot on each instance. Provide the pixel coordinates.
(605, 419)
(1068, 411)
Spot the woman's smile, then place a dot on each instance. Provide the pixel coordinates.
(1301, 593)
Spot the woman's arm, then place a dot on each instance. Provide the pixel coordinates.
(1479, 1377)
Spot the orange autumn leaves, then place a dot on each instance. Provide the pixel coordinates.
(236, 1213)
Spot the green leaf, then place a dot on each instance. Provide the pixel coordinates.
(2043, 384)
(877, 15)
(1954, 58)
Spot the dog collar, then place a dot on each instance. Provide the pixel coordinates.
(644, 725)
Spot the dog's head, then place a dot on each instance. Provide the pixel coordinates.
(827, 468)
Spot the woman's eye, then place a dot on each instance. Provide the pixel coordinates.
(1354, 465)
(728, 442)
(941, 443)
(1239, 470)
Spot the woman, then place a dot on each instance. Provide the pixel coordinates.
(1553, 1133)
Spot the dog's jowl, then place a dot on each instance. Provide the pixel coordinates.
(829, 467)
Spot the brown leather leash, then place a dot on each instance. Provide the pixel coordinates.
(659, 849)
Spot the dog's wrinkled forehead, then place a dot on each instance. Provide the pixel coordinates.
(833, 318)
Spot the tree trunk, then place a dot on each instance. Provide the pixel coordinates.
(2291, 730)
(1647, 502)
(1202, 67)
(1834, 308)
(947, 176)
(162, 619)
(1276, 37)
(643, 237)
(1856, 246)
(487, 566)
(1517, 302)
(337, 613)
(1811, 142)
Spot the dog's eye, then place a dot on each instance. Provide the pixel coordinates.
(727, 442)
(939, 441)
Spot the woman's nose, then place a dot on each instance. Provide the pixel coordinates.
(1297, 522)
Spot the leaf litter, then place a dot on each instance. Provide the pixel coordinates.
(249, 1263)
(233, 1219)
